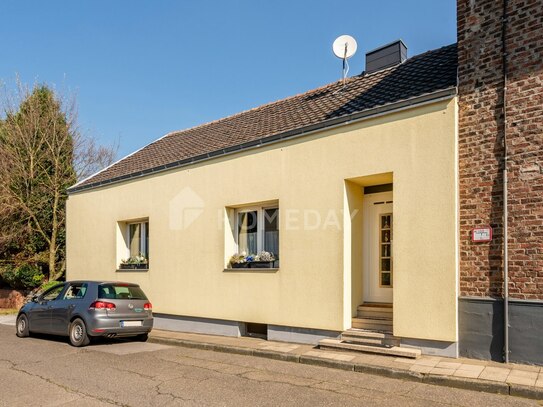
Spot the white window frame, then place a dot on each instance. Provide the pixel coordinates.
(260, 224)
(143, 233)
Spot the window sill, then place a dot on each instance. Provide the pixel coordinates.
(249, 270)
(132, 270)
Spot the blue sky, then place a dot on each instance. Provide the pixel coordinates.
(143, 68)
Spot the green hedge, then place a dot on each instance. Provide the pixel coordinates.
(24, 277)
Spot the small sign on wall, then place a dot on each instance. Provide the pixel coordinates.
(481, 234)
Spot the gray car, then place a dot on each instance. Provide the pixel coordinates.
(82, 310)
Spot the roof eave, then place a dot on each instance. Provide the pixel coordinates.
(428, 98)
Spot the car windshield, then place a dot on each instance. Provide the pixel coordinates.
(120, 291)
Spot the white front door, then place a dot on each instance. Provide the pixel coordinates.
(377, 250)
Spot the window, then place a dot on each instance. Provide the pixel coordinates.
(75, 291)
(385, 243)
(120, 291)
(52, 293)
(258, 230)
(138, 240)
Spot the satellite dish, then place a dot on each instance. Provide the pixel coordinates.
(344, 47)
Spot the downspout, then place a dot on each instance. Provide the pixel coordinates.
(505, 206)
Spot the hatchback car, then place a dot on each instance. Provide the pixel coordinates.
(82, 310)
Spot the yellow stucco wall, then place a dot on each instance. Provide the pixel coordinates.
(314, 285)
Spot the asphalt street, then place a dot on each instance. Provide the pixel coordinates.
(47, 371)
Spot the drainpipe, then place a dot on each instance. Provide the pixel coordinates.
(505, 209)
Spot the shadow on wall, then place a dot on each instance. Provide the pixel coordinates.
(481, 330)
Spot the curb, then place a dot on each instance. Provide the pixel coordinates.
(447, 381)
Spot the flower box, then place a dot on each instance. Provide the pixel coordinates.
(240, 265)
(134, 266)
(261, 264)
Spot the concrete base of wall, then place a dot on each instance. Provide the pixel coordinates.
(299, 335)
(233, 328)
(481, 329)
(198, 325)
(435, 348)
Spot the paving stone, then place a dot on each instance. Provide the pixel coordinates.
(427, 362)
(522, 377)
(449, 365)
(404, 360)
(330, 355)
(528, 368)
(472, 368)
(495, 374)
(442, 371)
(421, 368)
(468, 374)
(523, 373)
(476, 362)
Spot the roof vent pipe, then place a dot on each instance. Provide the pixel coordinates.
(387, 55)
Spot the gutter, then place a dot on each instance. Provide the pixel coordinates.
(399, 106)
(505, 192)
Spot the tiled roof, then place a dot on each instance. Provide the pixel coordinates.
(420, 75)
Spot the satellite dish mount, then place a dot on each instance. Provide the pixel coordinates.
(344, 47)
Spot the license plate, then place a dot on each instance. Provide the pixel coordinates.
(130, 323)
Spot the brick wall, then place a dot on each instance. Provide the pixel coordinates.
(481, 145)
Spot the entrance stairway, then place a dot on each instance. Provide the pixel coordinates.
(371, 333)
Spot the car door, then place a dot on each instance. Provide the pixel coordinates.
(64, 306)
(40, 315)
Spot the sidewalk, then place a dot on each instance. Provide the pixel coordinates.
(471, 374)
(8, 319)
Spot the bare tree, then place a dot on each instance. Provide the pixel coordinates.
(90, 156)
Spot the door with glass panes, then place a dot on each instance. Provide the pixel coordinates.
(378, 247)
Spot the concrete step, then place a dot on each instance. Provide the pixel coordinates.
(374, 314)
(363, 337)
(336, 344)
(371, 324)
(376, 306)
(375, 310)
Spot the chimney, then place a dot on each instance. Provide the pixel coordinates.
(387, 55)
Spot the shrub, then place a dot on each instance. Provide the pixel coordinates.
(25, 277)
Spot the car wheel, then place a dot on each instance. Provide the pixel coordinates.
(22, 326)
(142, 337)
(78, 333)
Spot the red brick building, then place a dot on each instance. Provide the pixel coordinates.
(500, 88)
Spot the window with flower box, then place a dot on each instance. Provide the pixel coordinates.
(137, 245)
(257, 231)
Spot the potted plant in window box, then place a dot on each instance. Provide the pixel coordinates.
(262, 260)
(135, 263)
(238, 261)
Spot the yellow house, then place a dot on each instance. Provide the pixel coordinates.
(352, 188)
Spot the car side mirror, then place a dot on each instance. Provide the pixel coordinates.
(35, 298)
